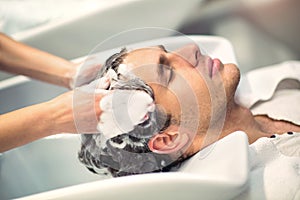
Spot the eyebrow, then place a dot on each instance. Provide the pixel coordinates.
(163, 60)
(162, 47)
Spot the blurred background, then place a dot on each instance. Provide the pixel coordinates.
(262, 32)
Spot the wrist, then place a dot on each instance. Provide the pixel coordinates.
(46, 119)
(69, 75)
(61, 114)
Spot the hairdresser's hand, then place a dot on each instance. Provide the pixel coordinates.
(84, 72)
(77, 111)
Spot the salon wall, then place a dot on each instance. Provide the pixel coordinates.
(263, 32)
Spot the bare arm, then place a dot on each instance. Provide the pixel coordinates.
(23, 126)
(53, 117)
(19, 58)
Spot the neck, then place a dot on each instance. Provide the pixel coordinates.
(240, 118)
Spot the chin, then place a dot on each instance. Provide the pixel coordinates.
(232, 77)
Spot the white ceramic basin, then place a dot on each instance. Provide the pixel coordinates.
(221, 174)
(72, 38)
(49, 167)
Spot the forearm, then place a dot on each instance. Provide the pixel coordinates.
(18, 58)
(58, 115)
(25, 125)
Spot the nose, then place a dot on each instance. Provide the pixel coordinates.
(190, 53)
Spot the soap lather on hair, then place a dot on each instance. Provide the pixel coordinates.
(122, 110)
(128, 120)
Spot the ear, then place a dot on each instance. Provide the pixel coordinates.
(169, 141)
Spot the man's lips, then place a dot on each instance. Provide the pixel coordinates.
(214, 66)
(209, 66)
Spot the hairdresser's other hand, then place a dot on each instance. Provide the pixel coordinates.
(84, 72)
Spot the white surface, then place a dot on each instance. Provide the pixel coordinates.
(208, 177)
(250, 91)
(51, 163)
(43, 165)
(20, 91)
(14, 13)
(214, 46)
(274, 165)
(77, 36)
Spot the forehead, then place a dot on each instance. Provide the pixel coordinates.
(144, 63)
(147, 55)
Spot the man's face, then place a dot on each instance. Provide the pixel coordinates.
(193, 89)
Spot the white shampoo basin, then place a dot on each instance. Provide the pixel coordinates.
(49, 169)
(74, 37)
(221, 174)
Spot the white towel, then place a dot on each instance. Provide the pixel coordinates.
(275, 169)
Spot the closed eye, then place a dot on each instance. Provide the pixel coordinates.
(171, 76)
(165, 71)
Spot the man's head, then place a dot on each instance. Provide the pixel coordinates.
(178, 79)
(192, 93)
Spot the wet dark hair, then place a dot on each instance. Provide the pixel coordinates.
(128, 153)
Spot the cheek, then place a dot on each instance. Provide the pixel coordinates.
(212, 102)
(205, 105)
(198, 102)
